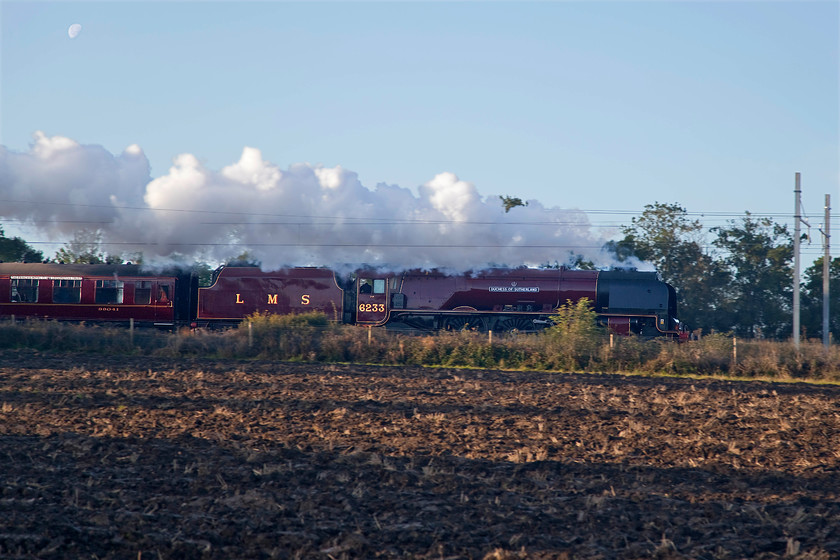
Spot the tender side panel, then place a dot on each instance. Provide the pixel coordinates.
(240, 291)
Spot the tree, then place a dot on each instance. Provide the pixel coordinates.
(15, 249)
(665, 237)
(85, 248)
(759, 254)
(812, 299)
(510, 202)
(204, 272)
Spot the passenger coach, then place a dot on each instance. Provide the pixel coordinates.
(94, 293)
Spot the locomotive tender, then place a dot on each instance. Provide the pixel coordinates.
(500, 300)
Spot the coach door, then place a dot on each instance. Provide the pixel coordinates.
(371, 300)
(162, 294)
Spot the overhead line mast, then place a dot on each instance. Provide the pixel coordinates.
(826, 271)
(797, 191)
(797, 243)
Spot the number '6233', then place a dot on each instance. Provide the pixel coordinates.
(372, 307)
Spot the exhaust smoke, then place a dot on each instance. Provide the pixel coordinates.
(306, 215)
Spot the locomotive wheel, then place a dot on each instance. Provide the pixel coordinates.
(462, 323)
(521, 324)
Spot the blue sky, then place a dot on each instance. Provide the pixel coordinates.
(587, 105)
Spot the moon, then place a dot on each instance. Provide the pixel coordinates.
(74, 30)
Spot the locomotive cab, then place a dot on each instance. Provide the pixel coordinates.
(371, 299)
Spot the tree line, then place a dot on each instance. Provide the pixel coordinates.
(735, 278)
(740, 281)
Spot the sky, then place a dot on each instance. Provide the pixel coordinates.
(392, 128)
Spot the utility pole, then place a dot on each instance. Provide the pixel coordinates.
(826, 270)
(797, 195)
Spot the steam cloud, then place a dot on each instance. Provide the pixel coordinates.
(306, 215)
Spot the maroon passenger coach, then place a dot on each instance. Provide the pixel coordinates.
(82, 292)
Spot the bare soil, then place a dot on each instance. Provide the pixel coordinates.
(147, 458)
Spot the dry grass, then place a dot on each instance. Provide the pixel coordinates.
(310, 338)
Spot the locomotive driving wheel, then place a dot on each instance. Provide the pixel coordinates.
(521, 324)
(464, 323)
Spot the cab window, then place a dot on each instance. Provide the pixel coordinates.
(365, 286)
(379, 286)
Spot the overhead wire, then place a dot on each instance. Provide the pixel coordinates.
(711, 214)
(708, 217)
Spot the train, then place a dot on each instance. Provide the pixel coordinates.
(495, 299)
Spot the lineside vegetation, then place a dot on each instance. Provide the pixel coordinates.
(574, 344)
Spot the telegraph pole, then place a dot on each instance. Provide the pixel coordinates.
(797, 216)
(826, 270)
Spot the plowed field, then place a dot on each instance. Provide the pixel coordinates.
(148, 458)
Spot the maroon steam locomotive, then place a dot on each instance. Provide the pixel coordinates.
(521, 299)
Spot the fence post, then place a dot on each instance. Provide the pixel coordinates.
(131, 330)
(734, 351)
(490, 337)
(250, 334)
(370, 334)
(612, 340)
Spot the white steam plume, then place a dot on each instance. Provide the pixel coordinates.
(305, 215)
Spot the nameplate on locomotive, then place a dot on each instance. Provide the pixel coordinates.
(528, 289)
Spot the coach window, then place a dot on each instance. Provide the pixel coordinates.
(67, 291)
(143, 292)
(24, 291)
(109, 291)
(379, 286)
(163, 294)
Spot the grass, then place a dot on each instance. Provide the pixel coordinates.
(312, 338)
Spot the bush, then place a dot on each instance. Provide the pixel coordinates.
(574, 340)
(285, 337)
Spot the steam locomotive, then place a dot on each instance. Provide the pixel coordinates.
(521, 299)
